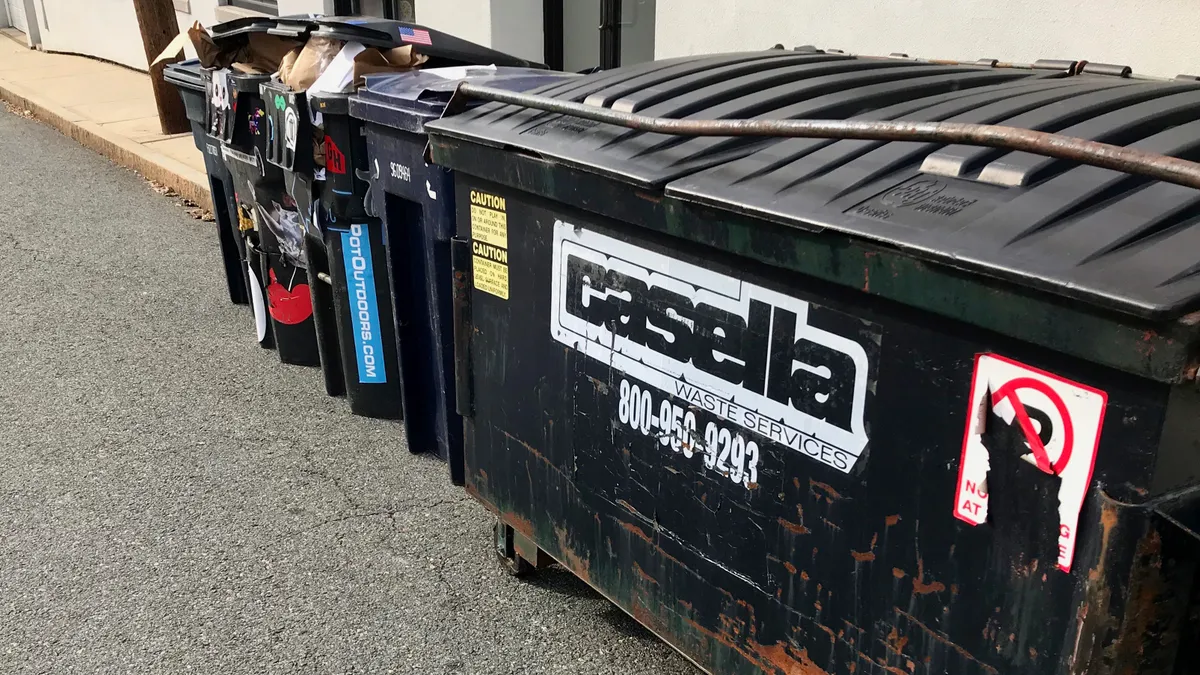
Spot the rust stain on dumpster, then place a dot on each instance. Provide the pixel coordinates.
(532, 451)
(779, 656)
(793, 527)
(573, 562)
(943, 640)
(637, 569)
(866, 556)
(637, 532)
(829, 494)
(518, 523)
(895, 641)
(920, 587)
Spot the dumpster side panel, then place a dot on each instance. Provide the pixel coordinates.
(806, 524)
(416, 201)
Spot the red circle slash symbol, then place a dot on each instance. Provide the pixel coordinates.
(1009, 391)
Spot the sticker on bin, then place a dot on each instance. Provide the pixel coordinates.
(364, 308)
(1057, 425)
(489, 243)
(745, 355)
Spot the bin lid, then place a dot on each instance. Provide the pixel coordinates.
(243, 26)
(772, 84)
(408, 100)
(187, 74)
(1117, 241)
(442, 49)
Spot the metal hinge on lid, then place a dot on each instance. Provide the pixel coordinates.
(1069, 67)
(1113, 69)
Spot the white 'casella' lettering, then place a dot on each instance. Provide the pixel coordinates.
(741, 351)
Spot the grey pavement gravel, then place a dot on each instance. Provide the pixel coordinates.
(172, 499)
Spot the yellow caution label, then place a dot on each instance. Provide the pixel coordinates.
(493, 253)
(489, 225)
(489, 235)
(490, 276)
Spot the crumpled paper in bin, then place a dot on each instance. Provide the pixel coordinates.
(299, 72)
(331, 67)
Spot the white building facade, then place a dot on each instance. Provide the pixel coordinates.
(1154, 37)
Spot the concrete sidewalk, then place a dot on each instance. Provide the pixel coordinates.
(105, 107)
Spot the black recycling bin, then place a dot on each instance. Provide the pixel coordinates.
(416, 201)
(295, 149)
(347, 271)
(188, 77)
(839, 406)
(269, 218)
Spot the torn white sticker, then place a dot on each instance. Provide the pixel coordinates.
(1060, 421)
(257, 302)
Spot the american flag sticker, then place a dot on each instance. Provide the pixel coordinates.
(415, 35)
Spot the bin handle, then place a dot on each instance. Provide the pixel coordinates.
(365, 175)
(1103, 155)
(283, 32)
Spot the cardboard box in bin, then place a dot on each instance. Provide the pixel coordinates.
(340, 66)
(257, 53)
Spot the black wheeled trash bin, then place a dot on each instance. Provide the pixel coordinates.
(188, 77)
(839, 406)
(268, 218)
(294, 150)
(348, 271)
(416, 201)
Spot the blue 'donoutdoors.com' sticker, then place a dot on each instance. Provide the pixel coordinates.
(364, 308)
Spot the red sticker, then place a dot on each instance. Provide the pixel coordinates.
(335, 161)
(289, 307)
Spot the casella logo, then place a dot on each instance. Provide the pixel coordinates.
(744, 352)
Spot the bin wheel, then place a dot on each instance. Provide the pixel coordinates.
(506, 552)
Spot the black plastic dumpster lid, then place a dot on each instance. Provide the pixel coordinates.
(1119, 241)
(408, 100)
(243, 26)
(771, 84)
(441, 48)
(188, 74)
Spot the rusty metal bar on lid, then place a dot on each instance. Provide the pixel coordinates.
(1103, 155)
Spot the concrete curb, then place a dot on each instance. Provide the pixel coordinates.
(188, 182)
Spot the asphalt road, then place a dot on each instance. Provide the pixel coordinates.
(172, 499)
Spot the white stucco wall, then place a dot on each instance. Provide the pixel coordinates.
(104, 28)
(108, 28)
(1155, 37)
(467, 19)
(516, 27)
(300, 6)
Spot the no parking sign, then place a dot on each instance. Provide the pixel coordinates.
(1060, 420)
